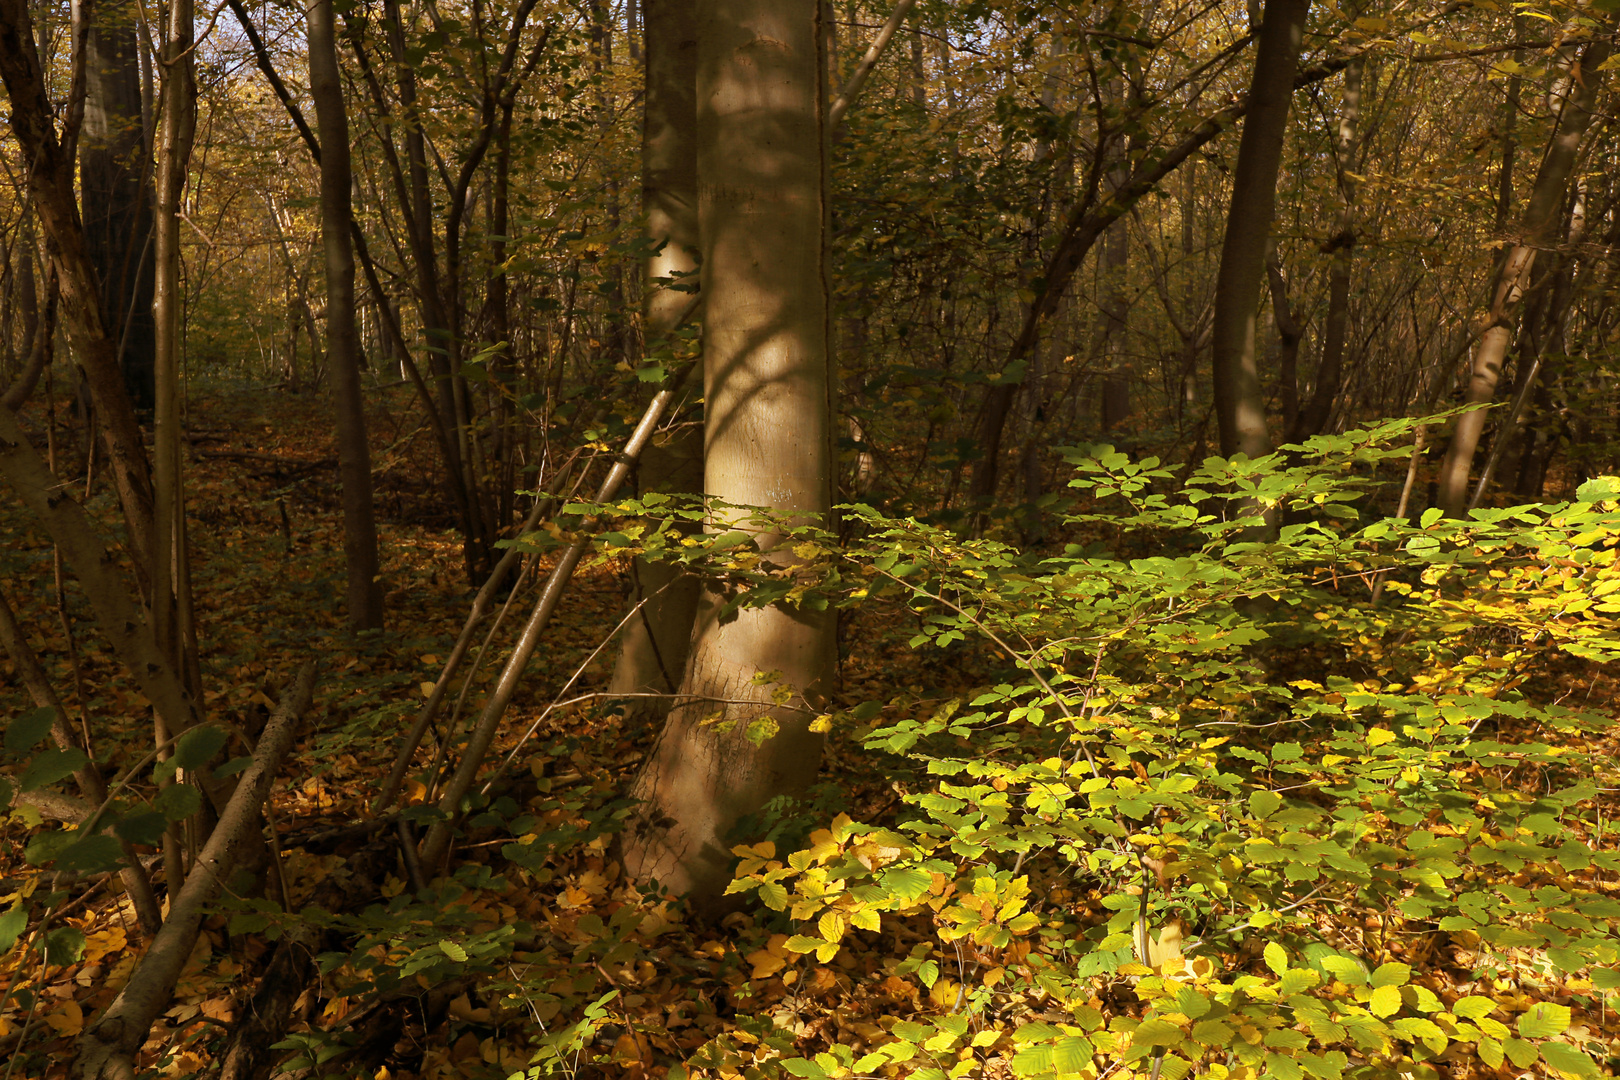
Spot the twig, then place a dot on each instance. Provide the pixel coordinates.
(852, 88)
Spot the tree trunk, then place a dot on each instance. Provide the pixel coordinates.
(1240, 407)
(653, 649)
(1342, 244)
(1580, 87)
(49, 166)
(115, 173)
(416, 203)
(1115, 404)
(763, 212)
(363, 596)
(1087, 221)
(1290, 332)
(171, 607)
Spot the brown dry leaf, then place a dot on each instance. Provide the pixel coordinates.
(66, 1019)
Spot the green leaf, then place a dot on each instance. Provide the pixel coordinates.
(51, 766)
(1473, 1007)
(64, 946)
(1521, 1053)
(1071, 1054)
(197, 746)
(1034, 1061)
(1347, 969)
(142, 827)
(1568, 1060)
(866, 710)
(1264, 803)
(906, 882)
(453, 950)
(97, 854)
(1276, 958)
(1156, 1033)
(12, 924)
(233, 766)
(28, 730)
(178, 801)
(1393, 973)
(1543, 1020)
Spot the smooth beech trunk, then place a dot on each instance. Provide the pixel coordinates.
(1240, 406)
(762, 210)
(653, 650)
(1538, 229)
(364, 597)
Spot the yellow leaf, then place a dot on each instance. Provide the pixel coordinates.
(68, 1019)
(765, 963)
(1386, 1001)
(831, 926)
(1380, 736)
(821, 724)
(427, 689)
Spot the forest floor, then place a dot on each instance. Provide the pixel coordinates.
(268, 572)
(652, 988)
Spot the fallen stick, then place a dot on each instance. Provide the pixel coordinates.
(106, 1049)
(480, 607)
(437, 843)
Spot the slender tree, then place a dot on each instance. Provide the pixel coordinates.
(1239, 402)
(762, 138)
(1341, 246)
(364, 596)
(1577, 91)
(171, 591)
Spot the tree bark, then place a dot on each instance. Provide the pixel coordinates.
(762, 189)
(653, 649)
(172, 621)
(115, 171)
(1115, 404)
(1342, 244)
(1290, 332)
(49, 165)
(363, 595)
(1240, 407)
(1580, 86)
(107, 1047)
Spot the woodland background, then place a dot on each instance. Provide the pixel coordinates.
(780, 538)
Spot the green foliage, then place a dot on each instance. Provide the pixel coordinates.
(1207, 739)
